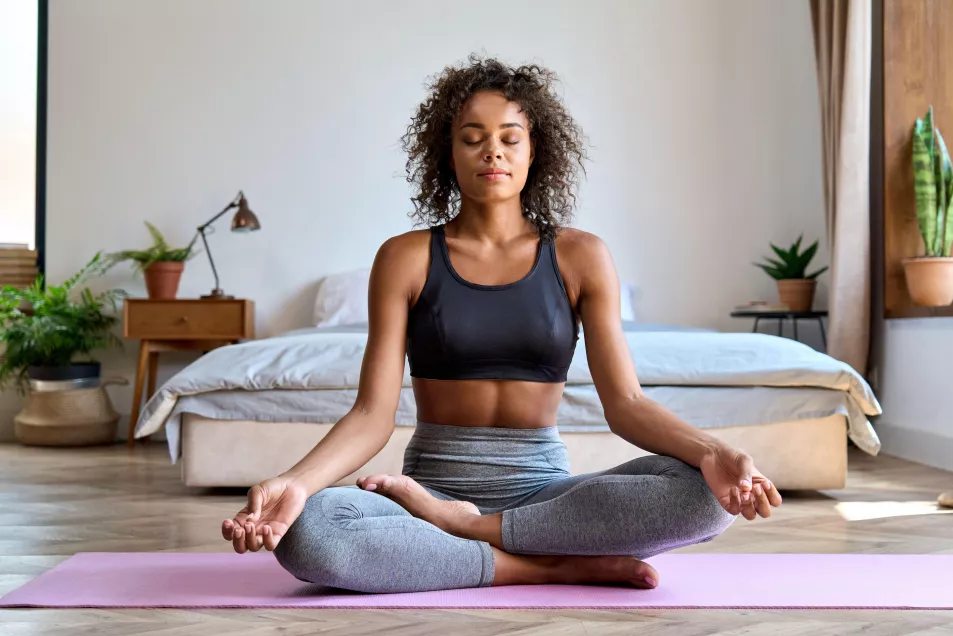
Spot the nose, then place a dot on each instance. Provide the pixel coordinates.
(494, 151)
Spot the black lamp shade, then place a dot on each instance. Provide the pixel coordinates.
(244, 220)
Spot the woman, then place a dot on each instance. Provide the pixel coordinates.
(486, 305)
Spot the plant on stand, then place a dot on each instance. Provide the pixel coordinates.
(48, 336)
(930, 277)
(795, 287)
(161, 264)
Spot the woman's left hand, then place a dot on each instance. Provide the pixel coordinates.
(739, 486)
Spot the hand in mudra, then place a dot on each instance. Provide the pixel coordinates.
(272, 507)
(739, 486)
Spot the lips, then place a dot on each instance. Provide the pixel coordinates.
(494, 173)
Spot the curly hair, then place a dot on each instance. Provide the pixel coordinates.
(549, 195)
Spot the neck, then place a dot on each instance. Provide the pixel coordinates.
(497, 222)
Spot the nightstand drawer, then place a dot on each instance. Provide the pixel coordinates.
(183, 319)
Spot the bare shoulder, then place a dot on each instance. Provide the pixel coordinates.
(402, 261)
(583, 257)
(405, 247)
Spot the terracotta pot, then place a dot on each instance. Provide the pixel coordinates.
(162, 279)
(929, 280)
(797, 293)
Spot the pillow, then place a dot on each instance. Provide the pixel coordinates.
(342, 299)
(626, 294)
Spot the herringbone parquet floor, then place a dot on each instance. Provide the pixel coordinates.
(56, 502)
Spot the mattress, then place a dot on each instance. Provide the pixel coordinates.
(580, 409)
(803, 454)
(709, 379)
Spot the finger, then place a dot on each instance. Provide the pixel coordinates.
(735, 501)
(375, 482)
(240, 518)
(748, 511)
(747, 506)
(269, 538)
(256, 494)
(238, 540)
(745, 468)
(227, 527)
(252, 540)
(773, 495)
(761, 503)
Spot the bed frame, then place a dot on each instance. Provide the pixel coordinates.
(798, 455)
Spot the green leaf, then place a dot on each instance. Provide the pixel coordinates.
(784, 255)
(805, 259)
(817, 273)
(924, 187)
(944, 193)
(771, 271)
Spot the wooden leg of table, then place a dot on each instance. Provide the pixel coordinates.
(137, 392)
(153, 371)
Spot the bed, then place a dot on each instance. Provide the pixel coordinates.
(243, 413)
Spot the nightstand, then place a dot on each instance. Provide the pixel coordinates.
(781, 316)
(180, 324)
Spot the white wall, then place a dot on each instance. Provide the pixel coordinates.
(915, 390)
(18, 43)
(702, 118)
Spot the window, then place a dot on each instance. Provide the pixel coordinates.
(20, 77)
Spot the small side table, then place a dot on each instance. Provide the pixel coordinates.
(174, 325)
(781, 316)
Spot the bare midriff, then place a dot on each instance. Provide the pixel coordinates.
(498, 403)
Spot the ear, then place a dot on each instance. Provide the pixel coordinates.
(532, 150)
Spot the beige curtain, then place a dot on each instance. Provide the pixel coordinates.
(842, 34)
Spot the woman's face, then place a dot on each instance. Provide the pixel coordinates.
(492, 149)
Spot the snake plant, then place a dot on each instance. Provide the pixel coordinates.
(933, 186)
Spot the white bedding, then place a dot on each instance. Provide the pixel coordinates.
(324, 365)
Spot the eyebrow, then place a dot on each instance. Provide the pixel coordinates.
(472, 124)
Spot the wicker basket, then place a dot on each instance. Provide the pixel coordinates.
(78, 417)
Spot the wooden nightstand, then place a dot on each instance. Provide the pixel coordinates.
(183, 323)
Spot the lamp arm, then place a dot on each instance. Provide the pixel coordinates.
(205, 226)
(211, 262)
(233, 204)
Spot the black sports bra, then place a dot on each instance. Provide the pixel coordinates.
(458, 330)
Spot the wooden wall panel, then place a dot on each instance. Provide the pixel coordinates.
(918, 71)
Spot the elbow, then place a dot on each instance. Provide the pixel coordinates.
(376, 416)
(622, 410)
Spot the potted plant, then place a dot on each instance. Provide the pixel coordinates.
(161, 264)
(930, 277)
(45, 334)
(795, 287)
(43, 330)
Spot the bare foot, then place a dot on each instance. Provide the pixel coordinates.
(446, 515)
(517, 569)
(610, 569)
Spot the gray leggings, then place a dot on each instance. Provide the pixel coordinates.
(359, 540)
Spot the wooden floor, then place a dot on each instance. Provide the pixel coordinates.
(54, 503)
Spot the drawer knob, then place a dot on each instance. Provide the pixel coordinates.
(183, 319)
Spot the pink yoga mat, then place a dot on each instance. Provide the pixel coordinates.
(165, 579)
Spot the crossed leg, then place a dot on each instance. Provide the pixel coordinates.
(643, 507)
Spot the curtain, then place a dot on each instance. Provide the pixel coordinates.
(842, 45)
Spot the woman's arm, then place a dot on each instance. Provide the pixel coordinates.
(629, 412)
(363, 432)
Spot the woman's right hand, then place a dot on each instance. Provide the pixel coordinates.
(272, 507)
